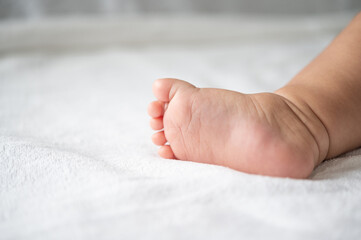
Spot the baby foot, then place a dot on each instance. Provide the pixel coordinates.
(257, 133)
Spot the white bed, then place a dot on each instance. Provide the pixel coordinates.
(76, 160)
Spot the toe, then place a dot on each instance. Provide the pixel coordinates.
(156, 123)
(165, 88)
(166, 152)
(156, 109)
(159, 139)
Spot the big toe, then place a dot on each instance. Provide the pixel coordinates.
(165, 88)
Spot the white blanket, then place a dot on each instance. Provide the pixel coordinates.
(76, 160)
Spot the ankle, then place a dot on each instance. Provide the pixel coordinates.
(300, 105)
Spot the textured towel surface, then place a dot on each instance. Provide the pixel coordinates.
(76, 160)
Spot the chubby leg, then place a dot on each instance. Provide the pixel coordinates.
(331, 87)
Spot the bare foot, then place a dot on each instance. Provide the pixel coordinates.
(257, 133)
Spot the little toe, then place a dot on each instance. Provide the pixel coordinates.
(165, 88)
(156, 123)
(166, 152)
(158, 138)
(156, 109)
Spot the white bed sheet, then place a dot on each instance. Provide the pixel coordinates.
(76, 160)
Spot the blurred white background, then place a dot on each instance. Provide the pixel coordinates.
(10, 9)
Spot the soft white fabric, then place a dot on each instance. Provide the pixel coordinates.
(76, 160)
